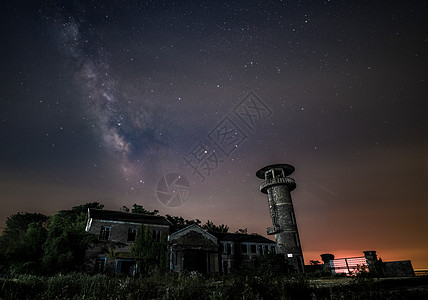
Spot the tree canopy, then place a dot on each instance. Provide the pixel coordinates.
(212, 228)
(33, 243)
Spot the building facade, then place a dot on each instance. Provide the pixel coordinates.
(189, 249)
(194, 249)
(239, 250)
(116, 233)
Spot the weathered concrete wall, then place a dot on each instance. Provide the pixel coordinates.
(278, 187)
(193, 248)
(398, 269)
(118, 242)
(119, 230)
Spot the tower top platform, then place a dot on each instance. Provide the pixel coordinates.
(288, 169)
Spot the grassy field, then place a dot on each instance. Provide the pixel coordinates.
(194, 286)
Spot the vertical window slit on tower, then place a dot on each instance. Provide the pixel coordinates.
(293, 219)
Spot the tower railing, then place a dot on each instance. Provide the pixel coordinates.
(291, 184)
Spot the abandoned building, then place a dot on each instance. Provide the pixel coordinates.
(116, 232)
(194, 249)
(369, 263)
(191, 248)
(237, 249)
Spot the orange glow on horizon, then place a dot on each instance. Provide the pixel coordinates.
(418, 257)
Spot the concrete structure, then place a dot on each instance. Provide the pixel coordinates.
(238, 250)
(116, 232)
(189, 249)
(278, 186)
(369, 263)
(194, 249)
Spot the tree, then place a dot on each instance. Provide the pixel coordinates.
(84, 207)
(124, 209)
(17, 224)
(242, 231)
(274, 264)
(67, 240)
(21, 243)
(150, 254)
(180, 223)
(138, 209)
(211, 228)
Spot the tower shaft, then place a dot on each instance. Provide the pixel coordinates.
(278, 186)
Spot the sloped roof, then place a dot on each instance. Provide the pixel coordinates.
(241, 237)
(194, 227)
(113, 215)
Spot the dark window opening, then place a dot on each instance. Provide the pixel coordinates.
(269, 175)
(296, 239)
(301, 263)
(277, 173)
(244, 248)
(229, 249)
(253, 249)
(260, 249)
(266, 249)
(293, 219)
(272, 249)
(156, 235)
(105, 233)
(132, 234)
(225, 266)
(100, 264)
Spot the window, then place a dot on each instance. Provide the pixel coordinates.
(273, 249)
(293, 219)
(100, 264)
(260, 249)
(132, 233)
(278, 173)
(224, 247)
(244, 248)
(289, 255)
(156, 235)
(105, 233)
(269, 174)
(301, 263)
(228, 249)
(266, 249)
(253, 249)
(296, 239)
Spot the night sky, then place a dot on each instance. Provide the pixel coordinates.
(101, 99)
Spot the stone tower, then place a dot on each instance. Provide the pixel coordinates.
(278, 186)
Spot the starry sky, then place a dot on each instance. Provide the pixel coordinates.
(150, 101)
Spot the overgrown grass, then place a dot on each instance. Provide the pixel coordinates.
(196, 287)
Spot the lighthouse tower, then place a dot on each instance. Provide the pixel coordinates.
(278, 186)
